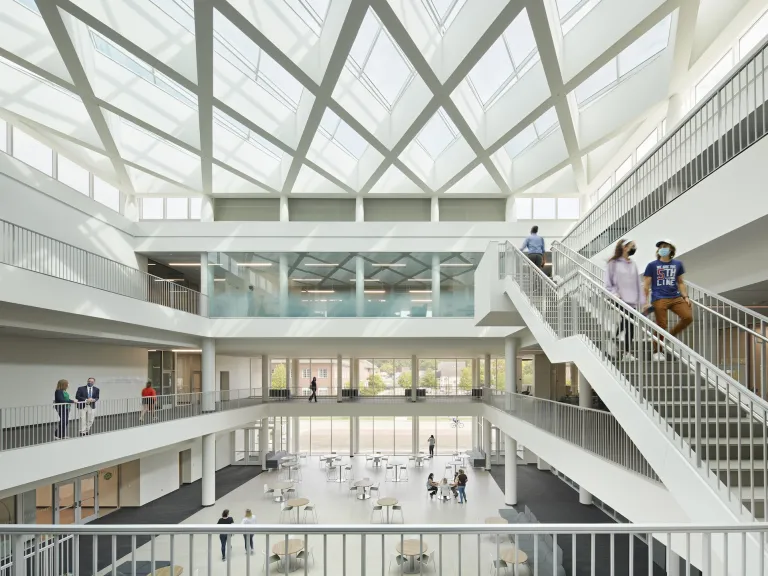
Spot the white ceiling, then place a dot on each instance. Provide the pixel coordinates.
(320, 98)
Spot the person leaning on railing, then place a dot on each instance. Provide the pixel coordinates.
(61, 401)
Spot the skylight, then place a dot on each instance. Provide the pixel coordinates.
(339, 132)
(635, 55)
(311, 12)
(30, 5)
(437, 135)
(142, 69)
(443, 12)
(378, 63)
(572, 11)
(505, 62)
(246, 134)
(540, 128)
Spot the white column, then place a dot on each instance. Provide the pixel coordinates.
(208, 376)
(278, 441)
(487, 370)
(415, 436)
(209, 470)
(359, 286)
(295, 377)
(283, 280)
(510, 471)
(435, 285)
(509, 210)
(414, 377)
(289, 434)
(585, 401)
(131, 207)
(264, 442)
(475, 424)
(487, 442)
(359, 209)
(296, 443)
(289, 375)
(434, 210)
(338, 378)
(511, 346)
(265, 377)
(284, 215)
(205, 284)
(206, 209)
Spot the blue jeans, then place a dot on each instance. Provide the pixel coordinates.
(462, 496)
(223, 539)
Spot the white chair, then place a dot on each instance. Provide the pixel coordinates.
(397, 559)
(398, 508)
(302, 456)
(273, 559)
(426, 558)
(368, 458)
(331, 474)
(448, 470)
(310, 508)
(268, 491)
(379, 509)
(348, 476)
(304, 554)
(389, 475)
(285, 512)
(404, 472)
(412, 459)
(353, 490)
(295, 473)
(445, 492)
(374, 488)
(290, 493)
(497, 563)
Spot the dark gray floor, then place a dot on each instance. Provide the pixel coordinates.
(172, 508)
(554, 502)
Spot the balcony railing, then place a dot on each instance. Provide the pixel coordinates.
(30, 250)
(339, 550)
(724, 124)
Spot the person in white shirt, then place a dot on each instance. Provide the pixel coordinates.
(431, 443)
(248, 519)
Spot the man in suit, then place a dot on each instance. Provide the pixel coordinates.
(86, 397)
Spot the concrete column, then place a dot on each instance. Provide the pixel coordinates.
(487, 370)
(510, 471)
(206, 209)
(434, 210)
(265, 377)
(296, 443)
(558, 385)
(277, 442)
(487, 442)
(209, 470)
(232, 446)
(295, 375)
(359, 286)
(475, 424)
(284, 214)
(131, 207)
(414, 377)
(264, 442)
(338, 378)
(208, 376)
(511, 374)
(359, 209)
(585, 401)
(283, 283)
(435, 285)
(415, 437)
(509, 210)
(354, 373)
(354, 435)
(205, 284)
(289, 434)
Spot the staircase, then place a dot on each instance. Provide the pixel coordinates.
(714, 423)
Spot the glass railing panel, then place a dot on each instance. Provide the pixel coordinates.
(29, 250)
(725, 123)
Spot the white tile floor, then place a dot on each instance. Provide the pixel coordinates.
(336, 506)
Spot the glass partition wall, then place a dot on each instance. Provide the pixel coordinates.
(342, 284)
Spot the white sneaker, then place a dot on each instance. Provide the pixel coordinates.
(659, 357)
(629, 358)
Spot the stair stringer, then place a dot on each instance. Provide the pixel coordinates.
(699, 497)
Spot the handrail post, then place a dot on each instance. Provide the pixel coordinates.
(697, 403)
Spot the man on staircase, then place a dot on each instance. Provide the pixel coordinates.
(666, 290)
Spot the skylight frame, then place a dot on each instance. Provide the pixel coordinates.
(576, 14)
(331, 136)
(451, 128)
(105, 46)
(443, 23)
(30, 5)
(317, 20)
(247, 135)
(357, 69)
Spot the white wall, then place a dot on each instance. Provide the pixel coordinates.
(244, 372)
(159, 475)
(30, 368)
(35, 201)
(223, 449)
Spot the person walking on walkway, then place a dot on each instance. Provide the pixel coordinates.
(534, 246)
(665, 290)
(461, 486)
(248, 520)
(87, 396)
(148, 397)
(431, 442)
(224, 538)
(313, 389)
(61, 403)
(622, 279)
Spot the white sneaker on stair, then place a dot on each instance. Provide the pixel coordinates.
(659, 357)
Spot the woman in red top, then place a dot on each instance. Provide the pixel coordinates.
(148, 396)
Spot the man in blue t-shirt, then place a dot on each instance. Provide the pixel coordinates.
(534, 246)
(666, 290)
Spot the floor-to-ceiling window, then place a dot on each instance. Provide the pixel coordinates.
(365, 434)
(403, 434)
(427, 429)
(340, 436)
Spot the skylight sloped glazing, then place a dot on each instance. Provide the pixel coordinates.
(437, 134)
(572, 11)
(344, 137)
(245, 133)
(311, 12)
(443, 12)
(378, 63)
(505, 62)
(630, 59)
(541, 128)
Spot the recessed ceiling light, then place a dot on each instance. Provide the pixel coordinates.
(307, 279)
(388, 265)
(219, 279)
(420, 291)
(319, 291)
(421, 300)
(375, 291)
(254, 264)
(320, 265)
(457, 265)
(190, 264)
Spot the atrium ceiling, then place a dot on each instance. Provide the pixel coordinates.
(343, 98)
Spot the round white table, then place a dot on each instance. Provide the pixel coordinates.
(280, 487)
(295, 545)
(387, 503)
(297, 503)
(365, 485)
(412, 549)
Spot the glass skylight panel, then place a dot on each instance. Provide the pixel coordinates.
(491, 72)
(246, 133)
(366, 36)
(567, 208)
(151, 208)
(176, 209)
(544, 208)
(106, 194)
(578, 9)
(437, 135)
(645, 47)
(30, 5)
(74, 176)
(520, 142)
(546, 121)
(523, 208)
(519, 38)
(753, 36)
(597, 82)
(311, 12)
(342, 135)
(195, 208)
(32, 152)
(443, 12)
(182, 12)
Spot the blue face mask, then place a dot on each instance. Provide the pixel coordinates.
(664, 252)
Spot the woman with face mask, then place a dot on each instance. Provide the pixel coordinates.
(622, 279)
(664, 282)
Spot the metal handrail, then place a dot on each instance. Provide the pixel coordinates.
(30, 250)
(709, 321)
(696, 403)
(682, 158)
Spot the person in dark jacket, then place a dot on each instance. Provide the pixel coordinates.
(61, 403)
(313, 388)
(87, 396)
(225, 519)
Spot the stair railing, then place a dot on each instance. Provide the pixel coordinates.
(711, 418)
(728, 335)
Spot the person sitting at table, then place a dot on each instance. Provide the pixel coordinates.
(445, 489)
(431, 485)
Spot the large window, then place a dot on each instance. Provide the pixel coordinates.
(106, 194)
(74, 176)
(170, 208)
(32, 152)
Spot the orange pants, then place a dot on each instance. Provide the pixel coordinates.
(678, 307)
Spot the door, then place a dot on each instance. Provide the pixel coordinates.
(89, 497)
(76, 501)
(64, 503)
(197, 382)
(224, 385)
